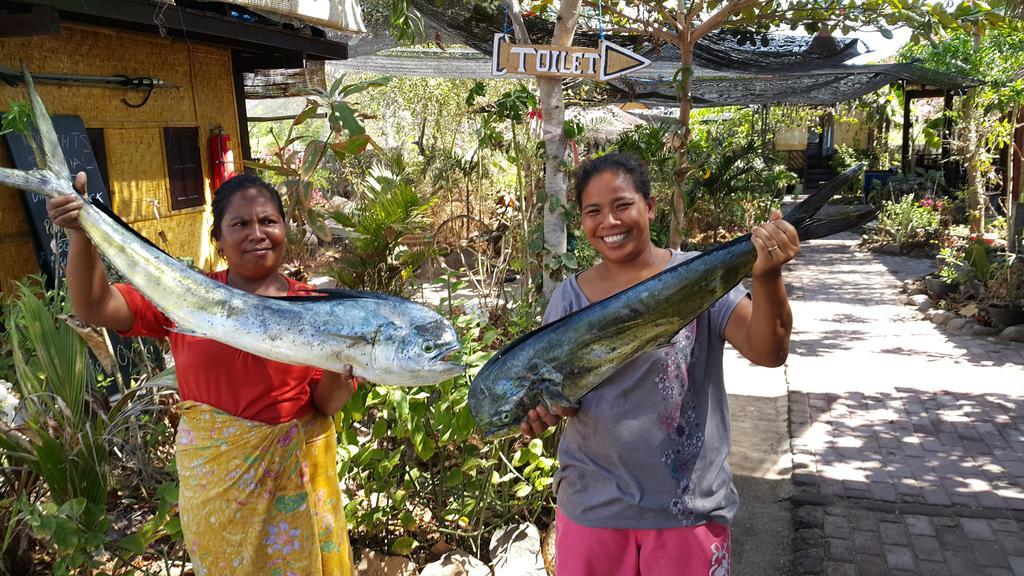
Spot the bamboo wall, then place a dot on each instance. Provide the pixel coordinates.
(202, 96)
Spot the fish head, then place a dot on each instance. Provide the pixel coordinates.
(419, 353)
(501, 396)
(499, 405)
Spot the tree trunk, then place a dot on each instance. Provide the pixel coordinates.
(681, 141)
(556, 179)
(975, 186)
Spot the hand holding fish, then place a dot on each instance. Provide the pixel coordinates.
(540, 419)
(63, 210)
(334, 389)
(776, 243)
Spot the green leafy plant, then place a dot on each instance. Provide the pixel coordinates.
(906, 225)
(297, 156)
(417, 473)
(57, 449)
(388, 212)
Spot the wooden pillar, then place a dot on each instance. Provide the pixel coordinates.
(949, 171)
(237, 70)
(905, 150)
(1014, 214)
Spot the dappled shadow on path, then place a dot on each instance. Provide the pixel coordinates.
(912, 447)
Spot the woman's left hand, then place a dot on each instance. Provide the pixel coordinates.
(334, 389)
(353, 381)
(776, 243)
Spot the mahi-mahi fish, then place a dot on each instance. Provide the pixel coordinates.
(562, 361)
(386, 339)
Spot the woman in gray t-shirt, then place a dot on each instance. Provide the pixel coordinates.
(643, 486)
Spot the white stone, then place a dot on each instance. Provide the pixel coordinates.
(456, 563)
(376, 564)
(515, 551)
(922, 301)
(940, 317)
(1013, 333)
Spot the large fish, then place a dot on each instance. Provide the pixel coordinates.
(386, 339)
(562, 361)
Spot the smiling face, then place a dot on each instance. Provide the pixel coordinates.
(252, 234)
(615, 216)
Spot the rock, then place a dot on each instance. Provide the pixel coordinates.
(456, 563)
(922, 302)
(376, 564)
(1013, 333)
(958, 325)
(917, 289)
(515, 551)
(979, 330)
(547, 549)
(940, 317)
(904, 299)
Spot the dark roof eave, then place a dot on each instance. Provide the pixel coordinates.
(195, 25)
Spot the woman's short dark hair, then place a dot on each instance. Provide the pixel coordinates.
(222, 197)
(613, 162)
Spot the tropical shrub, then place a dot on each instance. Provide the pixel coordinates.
(906, 225)
(414, 471)
(59, 448)
(388, 212)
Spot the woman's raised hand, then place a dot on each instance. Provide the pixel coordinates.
(776, 243)
(63, 210)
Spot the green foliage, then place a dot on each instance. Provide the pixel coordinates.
(389, 211)
(1004, 282)
(57, 452)
(906, 224)
(77, 529)
(411, 455)
(298, 156)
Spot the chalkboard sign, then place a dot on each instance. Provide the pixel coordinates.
(51, 244)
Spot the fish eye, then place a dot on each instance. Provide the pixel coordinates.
(428, 347)
(506, 417)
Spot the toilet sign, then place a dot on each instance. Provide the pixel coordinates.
(607, 61)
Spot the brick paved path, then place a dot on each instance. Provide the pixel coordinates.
(908, 443)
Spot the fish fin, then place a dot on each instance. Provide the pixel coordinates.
(820, 227)
(813, 203)
(350, 340)
(53, 156)
(551, 393)
(183, 331)
(318, 294)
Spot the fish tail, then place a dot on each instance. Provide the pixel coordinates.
(52, 154)
(803, 218)
(52, 178)
(843, 219)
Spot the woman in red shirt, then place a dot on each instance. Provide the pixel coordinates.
(256, 447)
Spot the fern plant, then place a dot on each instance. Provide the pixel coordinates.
(389, 211)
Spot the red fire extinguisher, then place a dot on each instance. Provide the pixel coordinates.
(223, 159)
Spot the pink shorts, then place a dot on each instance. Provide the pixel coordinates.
(692, 551)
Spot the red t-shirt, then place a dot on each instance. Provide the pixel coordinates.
(227, 378)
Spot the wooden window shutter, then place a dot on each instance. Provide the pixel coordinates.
(184, 167)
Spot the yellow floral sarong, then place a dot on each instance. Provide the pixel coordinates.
(260, 499)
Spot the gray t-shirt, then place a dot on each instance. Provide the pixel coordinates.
(648, 448)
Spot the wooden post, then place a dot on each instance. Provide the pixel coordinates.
(949, 172)
(905, 150)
